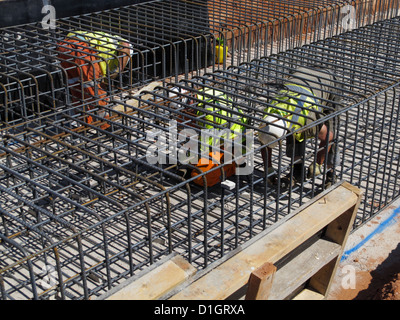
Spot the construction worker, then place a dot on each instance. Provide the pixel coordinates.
(89, 58)
(306, 96)
(217, 105)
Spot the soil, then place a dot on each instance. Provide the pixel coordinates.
(390, 291)
(376, 265)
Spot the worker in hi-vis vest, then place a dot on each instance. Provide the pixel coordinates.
(89, 58)
(307, 95)
(218, 107)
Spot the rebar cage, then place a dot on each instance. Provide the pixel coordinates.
(84, 207)
(167, 40)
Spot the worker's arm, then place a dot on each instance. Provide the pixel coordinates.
(126, 53)
(325, 138)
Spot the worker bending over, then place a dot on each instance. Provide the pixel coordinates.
(219, 115)
(307, 95)
(89, 58)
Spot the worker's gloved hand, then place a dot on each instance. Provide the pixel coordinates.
(314, 169)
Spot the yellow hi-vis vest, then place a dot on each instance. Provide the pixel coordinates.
(291, 104)
(106, 44)
(220, 99)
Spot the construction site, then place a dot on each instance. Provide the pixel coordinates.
(199, 150)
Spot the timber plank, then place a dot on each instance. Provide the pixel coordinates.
(308, 294)
(260, 282)
(234, 273)
(303, 267)
(154, 283)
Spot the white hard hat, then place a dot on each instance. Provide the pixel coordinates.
(272, 130)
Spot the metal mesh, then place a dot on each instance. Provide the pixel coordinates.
(169, 39)
(83, 209)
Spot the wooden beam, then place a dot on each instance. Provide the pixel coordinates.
(260, 282)
(308, 294)
(232, 274)
(302, 267)
(338, 231)
(154, 282)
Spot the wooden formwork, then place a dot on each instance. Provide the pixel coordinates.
(294, 259)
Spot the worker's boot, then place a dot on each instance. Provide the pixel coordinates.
(330, 180)
(298, 173)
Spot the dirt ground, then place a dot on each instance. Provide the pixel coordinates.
(370, 269)
(391, 290)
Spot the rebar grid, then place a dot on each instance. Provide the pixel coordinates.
(170, 39)
(82, 209)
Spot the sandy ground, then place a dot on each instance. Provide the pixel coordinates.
(370, 266)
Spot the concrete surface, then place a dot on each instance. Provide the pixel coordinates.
(371, 257)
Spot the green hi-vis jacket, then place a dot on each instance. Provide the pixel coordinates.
(220, 99)
(292, 104)
(106, 44)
